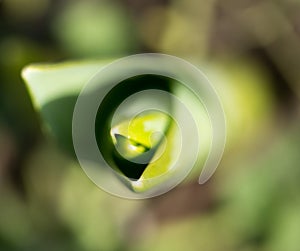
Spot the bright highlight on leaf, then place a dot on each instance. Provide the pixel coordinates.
(128, 147)
(140, 134)
(137, 143)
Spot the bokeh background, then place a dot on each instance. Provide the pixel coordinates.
(249, 49)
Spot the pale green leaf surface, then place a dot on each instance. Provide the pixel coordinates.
(48, 82)
(54, 89)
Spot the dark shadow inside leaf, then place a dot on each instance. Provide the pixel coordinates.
(130, 168)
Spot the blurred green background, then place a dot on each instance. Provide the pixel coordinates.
(250, 50)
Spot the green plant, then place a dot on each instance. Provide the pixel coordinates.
(127, 145)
